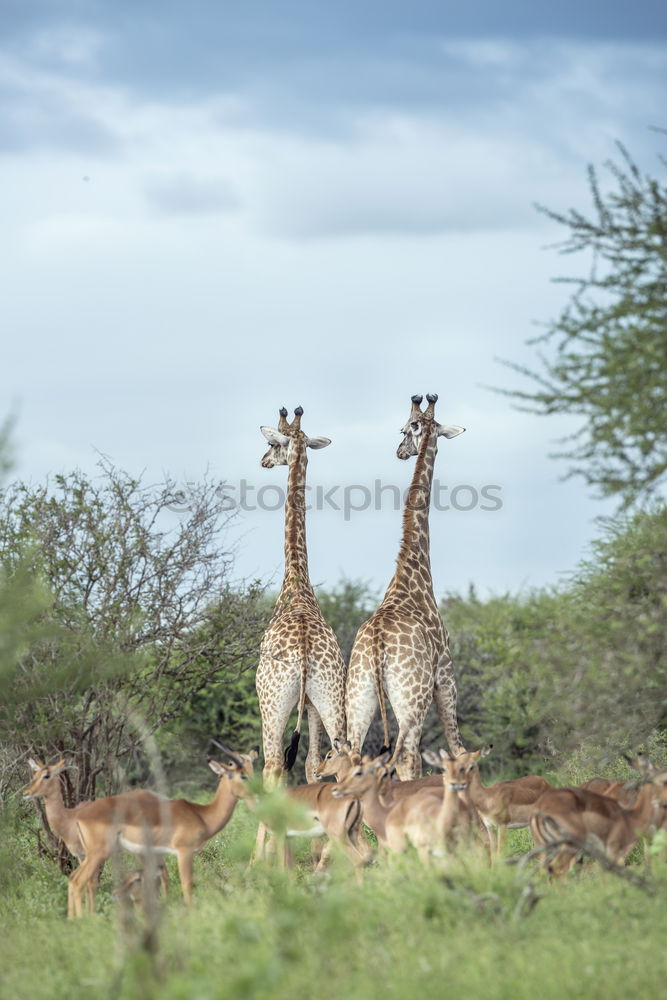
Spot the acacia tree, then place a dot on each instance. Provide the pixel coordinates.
(606, 357)
(136, 613)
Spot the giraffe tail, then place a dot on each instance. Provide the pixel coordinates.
(378, 656)
(293, 748)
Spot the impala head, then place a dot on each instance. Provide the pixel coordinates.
(420, 421)
(642, 764)
(45, 778)
(651, 775)
(457, 770)
(338, 762)
(238, 772)
(286, 437)
(364, 774)
(131, 889)
(658, 782)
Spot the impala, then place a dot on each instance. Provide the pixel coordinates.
(421, 814)
(323, 814)
(141, 821)
(62, 820)
(131, 889)
(338, 762)
(506, 805)
(624, 793)
(581, 812)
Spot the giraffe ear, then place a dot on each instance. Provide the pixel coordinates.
(449, 430)
(273, 436)
(317, 442)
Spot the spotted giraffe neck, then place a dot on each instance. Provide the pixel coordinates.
(414, 559)
(296, 580)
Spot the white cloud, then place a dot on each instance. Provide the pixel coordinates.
(72, 45)
(350, 273)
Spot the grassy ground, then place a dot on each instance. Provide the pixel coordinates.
(406, 932)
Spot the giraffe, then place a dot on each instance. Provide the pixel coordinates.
(300, 660)
(402, 651)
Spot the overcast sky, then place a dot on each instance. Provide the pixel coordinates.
(213, 209)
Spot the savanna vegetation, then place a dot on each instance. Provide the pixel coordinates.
(125, 646)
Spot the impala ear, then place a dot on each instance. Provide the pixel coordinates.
(218, 768)
(34, 764)
(485, 751)
(254, 753)
(318, 442)
(449, 430)
(273, 436)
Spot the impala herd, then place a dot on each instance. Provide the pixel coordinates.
(437, 815)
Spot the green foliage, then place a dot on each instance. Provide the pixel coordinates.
(345, 608)
(609, 345)
(121, 614)
(541, 673)
(406, 931)
(496, 645)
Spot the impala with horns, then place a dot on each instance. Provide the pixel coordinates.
(46, 785)
(141, 822)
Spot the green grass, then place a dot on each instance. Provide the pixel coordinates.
(406, 932)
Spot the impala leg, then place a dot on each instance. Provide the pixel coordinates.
(81, 879)
(164, 879)
(501, 834)
(185, 865)
(286, 848)
(259, 854)
(92, 887)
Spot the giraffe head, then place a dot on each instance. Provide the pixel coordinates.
(421, 421)
(285, 439)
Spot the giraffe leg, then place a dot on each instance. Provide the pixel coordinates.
(314, 755)
(444, 693)
(361, 702)
(275, 708)
(409, 761)
(360, 712)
